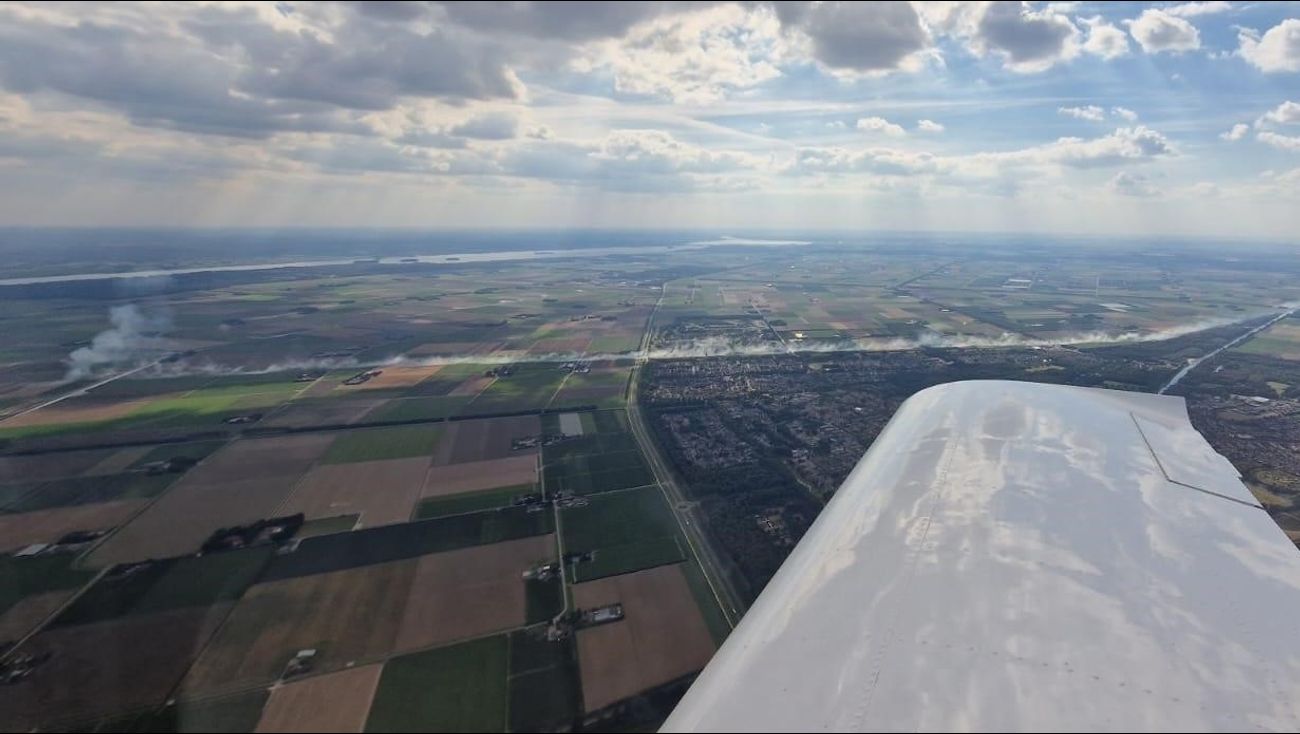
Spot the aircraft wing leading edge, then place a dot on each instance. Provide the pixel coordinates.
(1013, 557)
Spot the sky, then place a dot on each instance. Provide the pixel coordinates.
(1128, 119)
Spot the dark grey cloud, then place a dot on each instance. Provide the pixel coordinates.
(228, 72)
(856, 35)
(569, 20)
(1023, 37)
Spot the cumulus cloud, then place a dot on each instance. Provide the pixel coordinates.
(1124, 113)
(1027, 40)
(1157, 31)
(858, 37)
(1236, 132)
(1104, 39)
(1287, 113)
(1193, 9)
(697, 57)
(929, 126)
(880, 125)
(1281, 142)
(1091, 112)
(1277, 50)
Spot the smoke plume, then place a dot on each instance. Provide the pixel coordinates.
(133, 336)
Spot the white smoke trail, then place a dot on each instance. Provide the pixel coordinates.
(132, 338)
(715, 347)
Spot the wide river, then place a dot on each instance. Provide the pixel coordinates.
(469, 257)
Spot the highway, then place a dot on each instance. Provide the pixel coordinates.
(729, 600)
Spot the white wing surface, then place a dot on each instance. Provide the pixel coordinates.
(1016, 556)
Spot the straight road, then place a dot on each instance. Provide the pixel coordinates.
(729, 600)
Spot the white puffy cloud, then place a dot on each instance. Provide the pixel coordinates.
(1281, 142)
(1277, 50)
(1156, 31)
(1090, 112)
(1124, 113)
(1193, 9)
(929, 126)
(880, 125)
(1287, 113)
(1237, 132)
(698, 57)
(1104, 39)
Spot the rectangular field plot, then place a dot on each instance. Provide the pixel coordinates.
(480, 440)
(473, 476)
(529, 387)
(43, 467)
(238, 712)
(108, 668)
(624, 531)
(173, 583)
(461, 688)
(471, 592)
(331, 702)
(89, 490)
(396, 542)
(381, 492)
(599, 389)
(419, 408)
(327, 526)
(589, 464)
(34, 587)
(374, 444)
(459, 504)
(324, 411)
(346, 616)
(1279, 340)
(661, 638)
(545, 691)
(46, 526)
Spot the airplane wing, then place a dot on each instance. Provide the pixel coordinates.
(1022, 557)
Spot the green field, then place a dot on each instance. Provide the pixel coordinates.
(627, 557)
(543, 600)
(195, 450)
(529, 388)
(545, 692)
(235, 713)
(374, 444)
(394, 542)
(457, 504)
(23, 577)
(88, 490)
(462, 688)
(421, 408)
(626, 531)
(327, 526)
(192, 581)
(595, 463)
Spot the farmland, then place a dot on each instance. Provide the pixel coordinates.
(381, 495)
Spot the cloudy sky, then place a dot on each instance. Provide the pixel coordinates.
(1151, 118)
